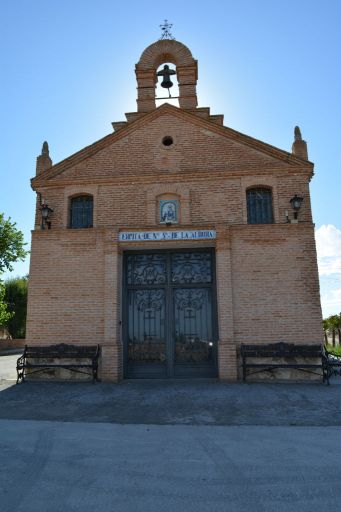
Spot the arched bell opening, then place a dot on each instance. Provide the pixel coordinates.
(171, 53)
(167, 86)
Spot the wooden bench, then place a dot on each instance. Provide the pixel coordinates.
(79, 359)
(284, 355)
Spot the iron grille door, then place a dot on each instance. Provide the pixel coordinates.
(193, 325)
(170, 318)
(146, 278)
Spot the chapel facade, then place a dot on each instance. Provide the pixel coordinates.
(174, 239)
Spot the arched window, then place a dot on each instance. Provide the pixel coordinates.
(81, 208)
(259, 206)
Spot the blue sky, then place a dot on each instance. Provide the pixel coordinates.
(68, 72)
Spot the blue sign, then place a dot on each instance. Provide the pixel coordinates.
(154, 236)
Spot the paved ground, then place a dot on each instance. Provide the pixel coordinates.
(160, 446)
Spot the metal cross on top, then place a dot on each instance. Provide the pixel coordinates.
(166, 30)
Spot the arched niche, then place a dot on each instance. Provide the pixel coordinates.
(164, 51)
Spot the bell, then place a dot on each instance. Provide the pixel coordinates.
(166, 83)
(165, 73)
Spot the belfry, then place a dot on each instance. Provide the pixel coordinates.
(174, 239)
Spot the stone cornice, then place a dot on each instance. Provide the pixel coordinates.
(155, 177)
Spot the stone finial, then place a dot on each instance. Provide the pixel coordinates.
(297, 132)
(44, 161)
(299, 147)
(45, 149)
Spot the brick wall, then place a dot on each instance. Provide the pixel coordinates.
(275, 284)
(216, 172)
(267, 284)
(12, 344)
(65, 297)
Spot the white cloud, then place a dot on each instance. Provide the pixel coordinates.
(331, 301)
(328, 240)
(328, 246)
(329, 266)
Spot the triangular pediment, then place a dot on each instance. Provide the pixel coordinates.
(198, 145)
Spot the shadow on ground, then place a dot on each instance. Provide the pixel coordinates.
(182, 402)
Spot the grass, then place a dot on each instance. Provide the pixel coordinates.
(335, 350)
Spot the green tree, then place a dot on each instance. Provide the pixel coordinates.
(332, 328)
(11, 244)
(16, 299)
(332, 322)
(11, 250)
(5, 315)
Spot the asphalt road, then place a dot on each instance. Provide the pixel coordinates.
(158, 446)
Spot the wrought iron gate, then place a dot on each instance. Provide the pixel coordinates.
(169, 322)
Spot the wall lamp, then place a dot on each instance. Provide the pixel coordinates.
(45, 215)
(296, 203)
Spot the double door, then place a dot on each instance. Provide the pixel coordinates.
(169, 322)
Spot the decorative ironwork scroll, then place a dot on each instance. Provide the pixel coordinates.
(146, 330)
(145, 269)
(193, 325)
(192, 298)
(166, 33)
(191, 267)
(149, 300)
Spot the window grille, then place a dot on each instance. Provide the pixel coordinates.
(259, 206)
(81, 212)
